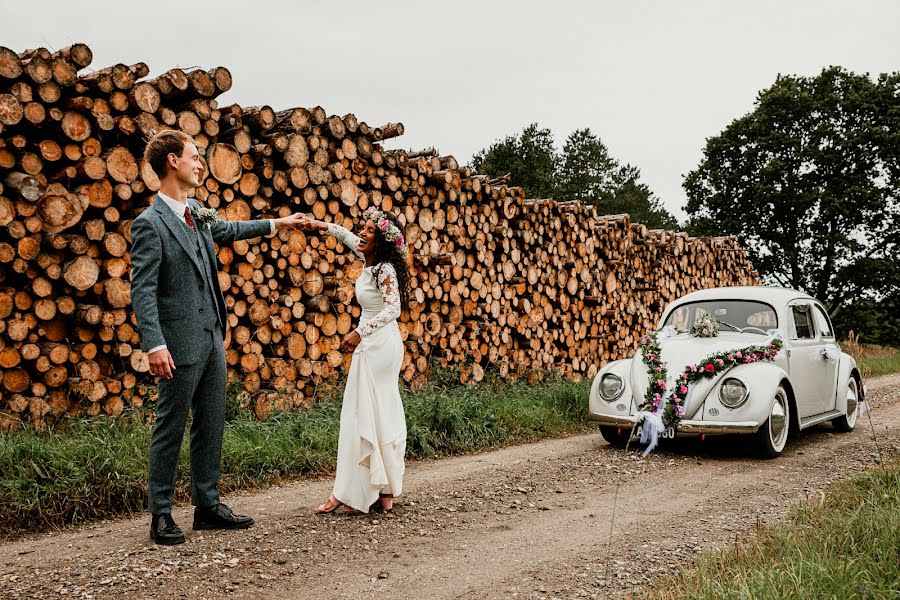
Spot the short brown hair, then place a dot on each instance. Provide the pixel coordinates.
(169, 141)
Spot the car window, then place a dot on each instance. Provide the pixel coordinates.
(740, 313)
(803, 325)
(823, 323)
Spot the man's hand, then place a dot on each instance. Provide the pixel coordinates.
(161, 364)
(307, 223)
(350, 342)
(293, 221)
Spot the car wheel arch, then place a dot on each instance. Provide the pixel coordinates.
(794, 425)
(860, 389)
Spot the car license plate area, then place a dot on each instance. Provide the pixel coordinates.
(667, 434)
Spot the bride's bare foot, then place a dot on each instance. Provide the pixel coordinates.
(329, 507)
(387, 502)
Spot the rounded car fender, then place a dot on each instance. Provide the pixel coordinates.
(762, 381)
(846, 368)
(598, 405)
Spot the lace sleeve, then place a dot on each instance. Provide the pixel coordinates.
(387, 284)
(344, 236)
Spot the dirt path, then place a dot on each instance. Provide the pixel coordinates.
(533, 521)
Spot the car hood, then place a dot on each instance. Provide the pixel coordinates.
(682, 350)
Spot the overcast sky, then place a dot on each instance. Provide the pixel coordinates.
(653, 78)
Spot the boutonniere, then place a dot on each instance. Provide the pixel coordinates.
(206, 216)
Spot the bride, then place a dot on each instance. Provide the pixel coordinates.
(372, 439)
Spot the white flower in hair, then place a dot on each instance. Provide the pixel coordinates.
(388, 229)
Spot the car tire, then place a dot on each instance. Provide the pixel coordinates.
(846, 423)
(771, 437)
(616, 436)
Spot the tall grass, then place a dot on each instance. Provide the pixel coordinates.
(97, 468)
(873, 360)
(846, 547)
(880, 360)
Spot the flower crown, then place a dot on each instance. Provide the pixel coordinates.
(387, 228)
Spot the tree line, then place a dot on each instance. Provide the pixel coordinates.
(807, 181)
(584, 170)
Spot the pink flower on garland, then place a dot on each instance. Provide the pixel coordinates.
(684, 389)
(709, 368)
(661, 383)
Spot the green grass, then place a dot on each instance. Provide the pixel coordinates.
(96, 468)
(879, 360)
(847, 547)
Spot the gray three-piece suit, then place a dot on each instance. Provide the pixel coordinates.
(177, 302)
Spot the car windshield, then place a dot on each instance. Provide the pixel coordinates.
(743, 314)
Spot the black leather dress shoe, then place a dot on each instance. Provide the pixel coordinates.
(163, 530)
(219, 517)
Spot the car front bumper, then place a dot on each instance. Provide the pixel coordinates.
(685, 427)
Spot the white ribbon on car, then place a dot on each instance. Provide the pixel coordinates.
(832, 352)
(651, 428)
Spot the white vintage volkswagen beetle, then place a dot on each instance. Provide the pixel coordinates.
(809, 380)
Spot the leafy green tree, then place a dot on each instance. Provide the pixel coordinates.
(808, 183)
(636, 199)
(584, 171)
(588, 172)
(529, 158)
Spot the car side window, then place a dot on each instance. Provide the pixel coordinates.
(823, 323)
(803, 322)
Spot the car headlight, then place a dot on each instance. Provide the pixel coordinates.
(611, 387)
(733, 393)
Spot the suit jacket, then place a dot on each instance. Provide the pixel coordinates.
(174, 291)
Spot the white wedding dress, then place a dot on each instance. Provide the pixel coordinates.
(372, 440)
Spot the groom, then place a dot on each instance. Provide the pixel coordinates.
(181, 321)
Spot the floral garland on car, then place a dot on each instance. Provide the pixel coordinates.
(711, 366)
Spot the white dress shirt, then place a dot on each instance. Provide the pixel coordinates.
(178, 208)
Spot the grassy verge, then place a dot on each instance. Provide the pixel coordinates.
(97, 468)
(879, 360)
(846, 547)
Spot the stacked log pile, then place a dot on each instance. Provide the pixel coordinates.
(522, 285)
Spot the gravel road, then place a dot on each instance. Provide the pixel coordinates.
(564, 518)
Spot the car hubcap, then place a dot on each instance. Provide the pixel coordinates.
(852, 401)
(778, 421)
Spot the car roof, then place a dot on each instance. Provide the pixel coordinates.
(777, 296)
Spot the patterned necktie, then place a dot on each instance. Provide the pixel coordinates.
(189, 219)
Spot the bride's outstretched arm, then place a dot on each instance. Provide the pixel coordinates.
(341, 234)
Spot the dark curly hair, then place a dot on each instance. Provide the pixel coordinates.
(387, 252)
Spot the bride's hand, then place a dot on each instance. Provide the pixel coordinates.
(350, 342)
(306, 223)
